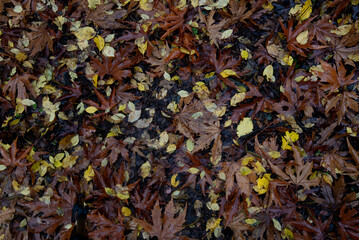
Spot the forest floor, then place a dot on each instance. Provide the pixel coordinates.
(179, 119)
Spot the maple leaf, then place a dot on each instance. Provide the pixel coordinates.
(349, 223)
(321, 30)
(116, 67)
(164, 227)
(56, 213)
(17, 85)
(346, 100)
(116, 147)
(214, 30)
(334, 77)
(317, 228)
(176, 20)
(195, 119)
(40, 38)
(103, 227)
(332, 161)
(73, 96)
(14, 159)
(105, 105)
(158, 60)
(300, 174)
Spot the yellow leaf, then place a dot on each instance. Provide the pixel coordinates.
(245, 127)
(228, 72)
(91, 109)
(193, 170)
(142, 47)
(141, 87)
(93, 3)
(108, 51)
(163, 138)
(251, 221)
(287, 59)
(174, 181)
(237, 98)
(302, 37)
(328, 179)
(342, 30)
(145, 169)
(126, 211)
(259, 168)
(306, 10)
(50, 108)
(354, 2)
(274, 154)
(262, 184)
(171, 148)
(145, 5)
(226, 34)
(94, 79)
(100, 42)
(201, 90)
(25, 191)
(75, 140)
(213, 224)
(15, 185)
(190, 145)
(268, 73)
(288, 233)
(244, 171)
(276, 224)
(20, 56)
(85, 33)
(2, 167)
(110, 191)
(286, 140)
(89, 173)
(244, 54)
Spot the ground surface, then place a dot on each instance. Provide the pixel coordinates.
(179, 119)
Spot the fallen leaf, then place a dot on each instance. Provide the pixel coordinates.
(245, 127)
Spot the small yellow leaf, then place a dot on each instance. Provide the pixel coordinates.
(228, 72)
(306, 10)
(93, 3)
(100, 42)
(145, 5)
(274, 154)
(171, 148)
(89, 173)
(15, 185)
(20, 56)
(108, 51)
(110, 191)
(163, 138)
(213, 224)
(189, 145)
(244, 171)
(268, 73)
(142, 47)
(245, 127)
(286, 140)
(25, 191)
(237, 98)
(244, 54)
(75, 140)
(28, 102)
(94, 79)
(126, 211)
(145, 169)
(85, 33)
(288, 233)
(276, 224)
(251, 221)
(141, 87)
(2, 167)
(262, 184)
(302, 37)
(91, 109)
(354, 2)
(342, 30)
(258, 168)
(174, 181)
(226, 34)
(193, 170)
(328, 179)
(287, 59)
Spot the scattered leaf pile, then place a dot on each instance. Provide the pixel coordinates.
(179, 119)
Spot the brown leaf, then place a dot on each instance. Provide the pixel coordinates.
(164, 227)
(17, 85)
